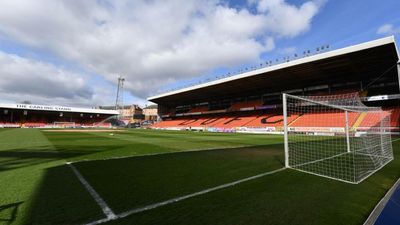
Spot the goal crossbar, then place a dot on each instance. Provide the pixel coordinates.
(346, 108)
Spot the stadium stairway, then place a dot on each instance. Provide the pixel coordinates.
(358, 121)
(294, 120)
(371, 120)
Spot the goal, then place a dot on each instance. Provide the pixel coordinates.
(335, 136)
(64, 124)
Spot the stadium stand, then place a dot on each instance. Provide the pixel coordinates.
(247, 105)
(373, 120)
(239, 121)
(253, 119)
(42, 116)
(319, 119)
(198, 109)
(395, 117)
(275, 119)
(34, 124)
(370, 120)
(254, 99)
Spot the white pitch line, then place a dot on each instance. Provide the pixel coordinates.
(156, 205)
(103, 205)
(319, 160)
(173, 200)
(376, 212)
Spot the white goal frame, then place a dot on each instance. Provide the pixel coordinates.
(345, 152)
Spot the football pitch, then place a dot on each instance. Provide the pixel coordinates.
(171, 177)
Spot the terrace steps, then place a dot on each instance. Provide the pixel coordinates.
(359, 120)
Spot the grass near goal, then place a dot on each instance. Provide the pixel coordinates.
(323, 136)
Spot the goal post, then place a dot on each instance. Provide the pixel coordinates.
(346, 113)
(335, 136)
(285, 128)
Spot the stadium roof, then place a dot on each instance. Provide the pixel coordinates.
(54, 108)
(365, 61)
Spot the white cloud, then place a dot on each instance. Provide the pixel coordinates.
(388, 29)
(152, 43)
(285, 19)
(42, 83)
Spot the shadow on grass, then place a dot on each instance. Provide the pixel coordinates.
(61, 199)
(11, 211)
(139, 181)
(18, 158)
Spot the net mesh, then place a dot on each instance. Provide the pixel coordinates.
(336, 136)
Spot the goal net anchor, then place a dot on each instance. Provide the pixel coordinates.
(335, 136)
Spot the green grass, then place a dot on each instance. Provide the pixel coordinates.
(139, 181)
(36, 187)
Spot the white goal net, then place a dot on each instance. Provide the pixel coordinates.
(335, 136)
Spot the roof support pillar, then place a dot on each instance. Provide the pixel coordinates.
(398, 73)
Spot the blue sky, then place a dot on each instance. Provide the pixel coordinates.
(71, 53)
(340, 23)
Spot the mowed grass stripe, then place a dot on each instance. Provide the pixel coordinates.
(11, 139)
(194, 141)
(197, 135)
(33, 189)
(100, 146)
(21, 148)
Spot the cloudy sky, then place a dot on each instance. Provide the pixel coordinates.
(71, 52)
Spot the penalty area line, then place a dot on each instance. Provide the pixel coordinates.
(177, 199)
(103, 205)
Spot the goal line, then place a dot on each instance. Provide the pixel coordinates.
(337, 155)
(319, 160)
